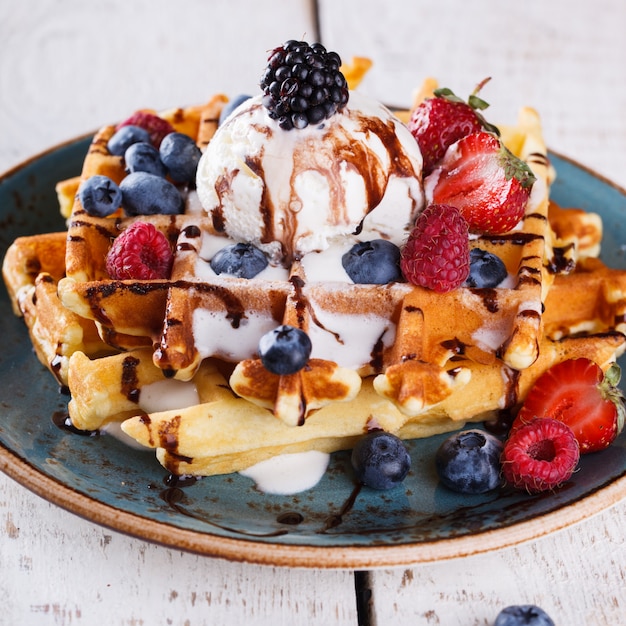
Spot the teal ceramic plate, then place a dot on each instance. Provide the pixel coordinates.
(330, 526)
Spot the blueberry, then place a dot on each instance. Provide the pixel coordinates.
(380, 460)
(284, 350)
(180, 155)
(373, 262)
(469, 462)
(99, 195)
(147, 194)
(523, 615)
(144, 157)
(486, 270)
(125, 137)
(242, 260)
(231, 105)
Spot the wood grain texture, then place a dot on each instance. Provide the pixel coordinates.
(67, 67)
(560, 57)
(557, 57)
(57, 569)
(577, 575)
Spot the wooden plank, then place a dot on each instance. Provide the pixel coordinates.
(57, 569)
(549, 56)
(563, 58)
(68, 68)
(577, 575)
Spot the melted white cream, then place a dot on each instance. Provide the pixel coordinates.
(212, 244)
(114, 429)
(167, 395)
(214, 334)
(162, 395)
(287, 474)
(490, 337)
(348, 340)
(325, 266)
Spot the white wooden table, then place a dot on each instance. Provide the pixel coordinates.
(68, 66)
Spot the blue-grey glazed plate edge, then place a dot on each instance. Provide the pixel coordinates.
(331, 526)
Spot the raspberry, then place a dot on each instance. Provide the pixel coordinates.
(437, 254)
(540, 456)
(156, 126)
(141, 252)
(303, 84)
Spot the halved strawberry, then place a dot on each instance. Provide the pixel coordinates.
(487, 183)
(438, 122)
(578, 393)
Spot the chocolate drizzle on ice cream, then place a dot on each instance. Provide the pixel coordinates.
(291, 193)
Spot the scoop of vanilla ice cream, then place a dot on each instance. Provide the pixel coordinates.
(293, 192)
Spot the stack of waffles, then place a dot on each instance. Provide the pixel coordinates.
(174, 361)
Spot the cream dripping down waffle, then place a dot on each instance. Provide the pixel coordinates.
(395, 356)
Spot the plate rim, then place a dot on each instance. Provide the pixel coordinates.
(274, 554)
(306, 556)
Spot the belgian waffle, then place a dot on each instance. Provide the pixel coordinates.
(400, 330)
(32, 268)
(129, 313)
(221, 432)
(230, 434)
(396, 356)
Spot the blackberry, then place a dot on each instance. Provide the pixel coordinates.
(303, 84)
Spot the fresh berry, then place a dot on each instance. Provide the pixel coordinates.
(155, 125)
(373, 262)
(380, 460)
(436, 254)
(99, 195)
(285, 350)
(180, 155)
(523, 615)
(303, 84)
(487, 270)
(577, 393)
(485, 181)
(125, 137)
(144, 157)
(242, 260)
(540, 455)
(141, 252)
(231, 105)
(469, 462)
(437, 123)
(147, 194)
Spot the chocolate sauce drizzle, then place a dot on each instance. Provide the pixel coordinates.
(331, 151)
(560, 262)
(61, 419)
(174, 496)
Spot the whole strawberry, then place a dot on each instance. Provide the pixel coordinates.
(487, 183)
(578, 393)
(437, 123)
(540, 456)
(436, 254)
